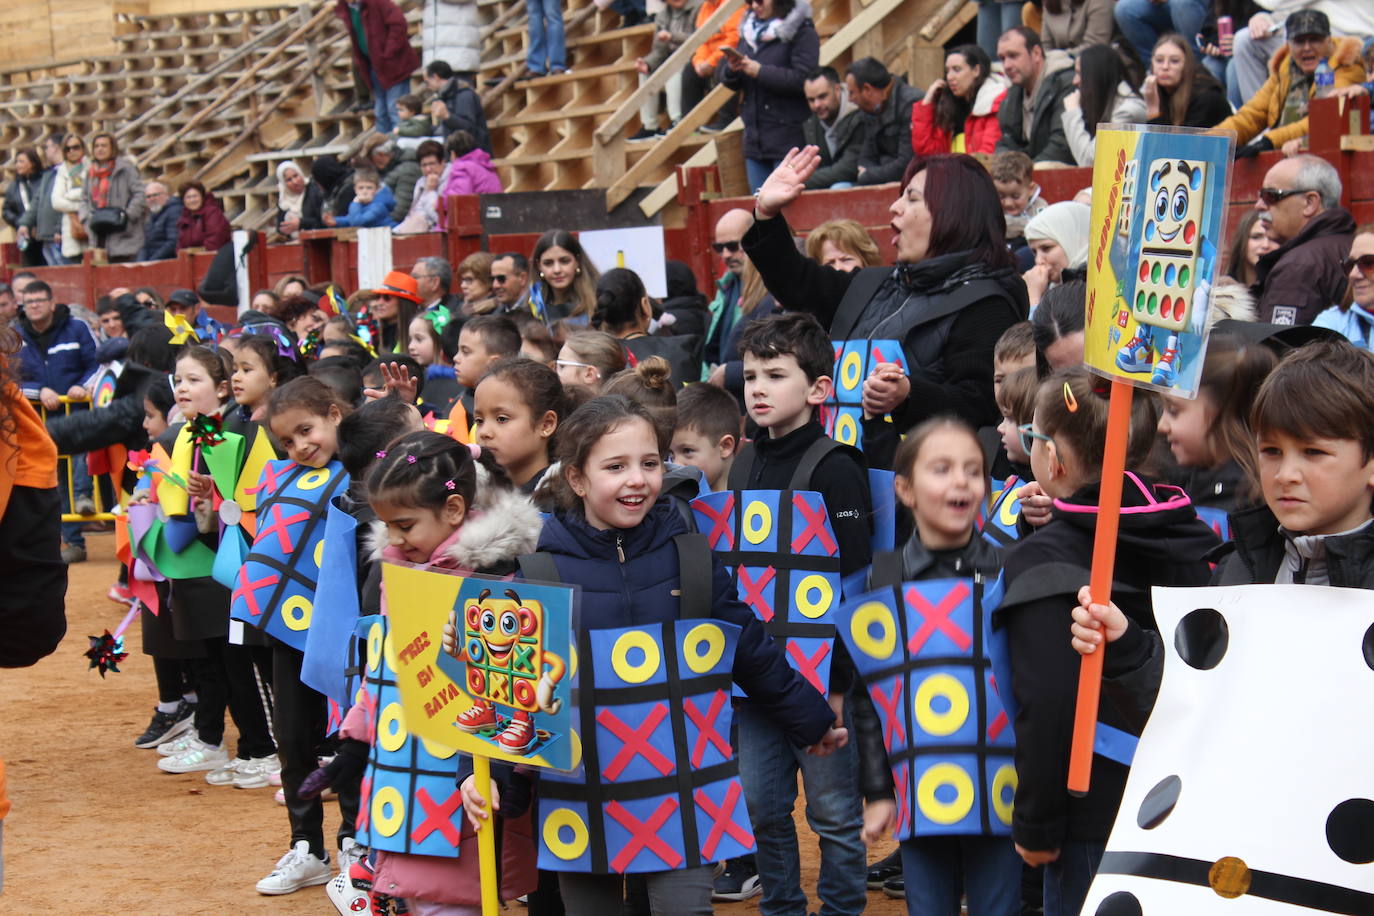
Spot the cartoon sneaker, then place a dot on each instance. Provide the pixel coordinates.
(478, 716)
(518, 737)
(1165, 370)
(1134, 357)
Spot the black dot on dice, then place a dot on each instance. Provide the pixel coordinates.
(1159, 803)
(1350, 830)
(1122, 903)
(1201, 638)
(1367, 646)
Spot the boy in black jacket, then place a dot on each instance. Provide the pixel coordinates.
(788, 360)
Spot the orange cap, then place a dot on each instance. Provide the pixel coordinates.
(400, 284)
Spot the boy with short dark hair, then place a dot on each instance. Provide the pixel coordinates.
(788, 361)
(707, 435)
(1014, 350)
(481, 341)
(371, 206)
(1013, 173)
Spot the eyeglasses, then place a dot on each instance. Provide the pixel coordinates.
(73, 148)
(499, 279)
(1029, 435)
(560, 363)
(1364, 262)
(1272, 196)
(722, 247)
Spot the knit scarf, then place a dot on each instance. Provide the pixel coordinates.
(100, 182)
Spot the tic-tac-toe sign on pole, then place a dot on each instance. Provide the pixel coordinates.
(1158, 216)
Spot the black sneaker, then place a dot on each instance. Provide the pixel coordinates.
(739, 881)
(647, 133)
(167, 725)
(881, 871)
(895, 888)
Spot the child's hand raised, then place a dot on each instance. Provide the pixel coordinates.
(395, 378)
(1092, 621)
(879, 818)
(475, 806)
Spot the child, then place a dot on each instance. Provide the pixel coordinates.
(589, 359)
(372, 203)
(516, 411)
(1016, 401)
(708, 432)
(788, 359)
(613, 536)
(942, 479)
(1013, 174)
(1015, 350)
(258, 369)
(482, 341)
(304, 417)
(673, 24)
(1161, 542)
(345, 381)
(410, 117)
(648, 382)
(426, 347)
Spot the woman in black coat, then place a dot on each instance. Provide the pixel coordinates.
(19, 196)
(777, 48)
(952, 293)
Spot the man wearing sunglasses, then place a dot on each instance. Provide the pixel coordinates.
(725, 318)
(510, 281)
(1300, 202)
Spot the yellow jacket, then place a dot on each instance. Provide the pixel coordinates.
(1266, 107)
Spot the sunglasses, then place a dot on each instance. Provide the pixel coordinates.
(1029, 435)
(1272, 196)
(72, 149)
(499, 279)
(722, 247)
(1364, 262)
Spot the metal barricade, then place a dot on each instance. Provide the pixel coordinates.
(113, 495)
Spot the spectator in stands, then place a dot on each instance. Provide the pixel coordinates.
(566, 288)
(411, 121)
(776, 50)
(111, 324)
(394, 305)
(149, 298)
(959, 112)
(113, 187)
(184, 303)
(888, 98)
(837, 127)
(994, 18)
(202, 223)
(452, 32)
(1301, 199)
(382, 50)
(68, 191)
(474, 282)
(673, 25)
(1101, 95)
(160, 233)
(19, 196)
(510, 281)
(398, 169)
(1250, 242)
(1356, 321)
(1032, 114)
(1059, 237)
(724, 307)
(456, 105)
(843, 244)
(1279, 109)
(291, 285)
(300, 201)
(424, 202)
(701, 74)
(548, 50)
(372, 203)
(1179, 92)
(58, 355)
(1072, 25)
(1144, 21)
(41, 223)
(469, 172)
(433, 284)
(302, 315)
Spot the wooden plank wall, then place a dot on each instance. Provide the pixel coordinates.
(40, 31)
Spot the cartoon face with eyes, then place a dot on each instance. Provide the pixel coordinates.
(1175, 199)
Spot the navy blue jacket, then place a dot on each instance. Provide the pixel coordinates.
(160, 232)
(641, 591)
(773, 106)
(60, 357)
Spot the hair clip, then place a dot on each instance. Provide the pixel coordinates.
(475, 450)
(410, 459)
(450, 485)
(382, 453)
(1102, 387)
(1070, 401)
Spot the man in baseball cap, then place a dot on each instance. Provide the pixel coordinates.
(184, 303)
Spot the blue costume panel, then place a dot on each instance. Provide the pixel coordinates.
(658, 785)
(329, 639)
(782, 552)
(999, 523)
(922, 649)
(842, 414)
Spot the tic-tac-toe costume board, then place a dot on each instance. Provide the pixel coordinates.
(658, 788)
(922, 651)
(1250, 791)
(999, 523)
(276, 586)
(782, 553)
(410, 800)
(842, 414)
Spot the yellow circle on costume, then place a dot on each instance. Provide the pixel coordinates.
(1003, 779)
(1010, 510)
(388, 810)
(945, 774)
(817, 608)
(620, 657)
(850, 369)
(295, 612)
(945, 723)
(701, 662)
(758, 522)
(572, 660)
(314, 480)
(846, 430)
(374, 647)
(561, 819)
(319, 552)
(576, 748)
(389, 651)
(861, 625)
(437, 750)
(391, 728)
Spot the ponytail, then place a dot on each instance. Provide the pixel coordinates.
(423, 469)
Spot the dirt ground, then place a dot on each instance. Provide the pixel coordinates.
(96, 827)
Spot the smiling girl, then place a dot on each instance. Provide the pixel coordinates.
(566, 287)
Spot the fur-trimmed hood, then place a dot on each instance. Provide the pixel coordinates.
(1231, 300)
(1344, 52)
(990, 95)
(502, 526)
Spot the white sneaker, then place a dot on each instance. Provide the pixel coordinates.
(224, 776)
(347, 899)
(295, 870)
(195, 759)
(252, 774)
(350, 851)
(179, 745)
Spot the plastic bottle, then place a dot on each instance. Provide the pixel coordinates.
(1325, 80)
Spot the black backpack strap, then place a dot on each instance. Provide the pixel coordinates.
(695, 576)
(539, 567)
(806, 468)
(861, 289)
(739, 471)
(887, 569)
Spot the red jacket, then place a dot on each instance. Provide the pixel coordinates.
(388, 41)
(204, 228)
(981, 130)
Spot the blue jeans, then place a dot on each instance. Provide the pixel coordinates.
(758, 170)
(995, 18)
(81, 486)
(384, 102)
(768, 766)
(1067, 878)
(940, 869)
(547, 48)
(52, 254)
(1143, 21)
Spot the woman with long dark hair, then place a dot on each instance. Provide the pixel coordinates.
(566, 284)
(1180, 92)
(1103, 96)
(959, 112)
(19, 196)
(1249, 242)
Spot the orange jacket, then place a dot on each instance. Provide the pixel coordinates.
(728, 36)
(1265, 108)
(29, 458)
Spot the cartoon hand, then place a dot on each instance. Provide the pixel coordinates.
(543, 695)
(1201, 295)
(450, 637)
